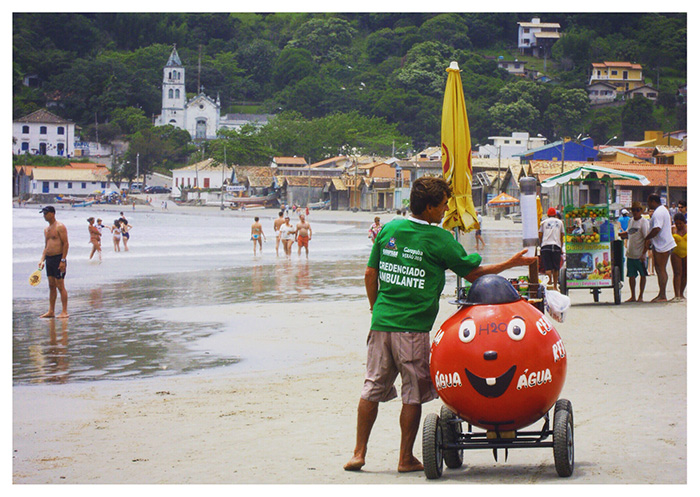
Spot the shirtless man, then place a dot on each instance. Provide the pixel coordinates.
(54, 257)
(95, 238)
(277, 224)
(303, 234)
(256, 232)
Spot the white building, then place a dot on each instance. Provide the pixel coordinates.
(43, 133)
(509, 146)
(201, 115)
(205, 174)
(74, 180)
(536, 38)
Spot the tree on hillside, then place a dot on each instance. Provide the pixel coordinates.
(326, 38)
(565, 115)
(637, 117)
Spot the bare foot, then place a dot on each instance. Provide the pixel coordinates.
(49, 314)
(413, 465)
(659, 298)
(632, 299)
(354, 464)
(640, 299)
(63, 315)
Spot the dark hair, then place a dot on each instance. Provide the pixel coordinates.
(257, 218)
(428, 190)
(654, 198)
(281, 213)
(679, 217)
(682, 203)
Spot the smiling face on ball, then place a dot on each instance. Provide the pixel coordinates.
(498, 366)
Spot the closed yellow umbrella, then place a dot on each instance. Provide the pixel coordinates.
(457, 155)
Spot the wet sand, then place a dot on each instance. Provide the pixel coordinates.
(627, 370)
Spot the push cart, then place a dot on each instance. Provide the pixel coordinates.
(594, 253)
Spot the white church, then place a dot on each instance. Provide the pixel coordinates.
(201, 115)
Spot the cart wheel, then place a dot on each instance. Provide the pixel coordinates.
(563, 435)
(451, 430)
(617, 285)
(432, 451)
(562, 281)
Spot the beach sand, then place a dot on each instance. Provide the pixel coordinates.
(626, 379)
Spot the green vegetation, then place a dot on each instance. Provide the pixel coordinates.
(337, 81)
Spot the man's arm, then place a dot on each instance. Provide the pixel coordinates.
(518, 259)
(43, 252)
(371, 285)
(63, 235)
(653, 233)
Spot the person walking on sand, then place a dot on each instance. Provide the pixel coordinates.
(403, 315)
(662, 243)
(635, 236)
(54, 258)
(256, 232)
(277, 223)
(551, 234)
(287, 232)
(95, 239)
(679, 257)
(302, 235)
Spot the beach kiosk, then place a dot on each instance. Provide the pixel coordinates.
(594, 252)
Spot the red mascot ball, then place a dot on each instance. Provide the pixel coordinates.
(498, 362)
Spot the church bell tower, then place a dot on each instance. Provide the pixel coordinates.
(173, 106)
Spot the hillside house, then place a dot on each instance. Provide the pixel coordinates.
(646, 91)
(43, 133)
(601, 92)
(536, 38)
(624, 76)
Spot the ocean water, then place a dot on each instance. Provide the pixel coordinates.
(174, 260)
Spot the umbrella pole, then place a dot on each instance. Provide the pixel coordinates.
(459, 278)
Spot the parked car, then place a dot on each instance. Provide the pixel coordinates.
(157, 189)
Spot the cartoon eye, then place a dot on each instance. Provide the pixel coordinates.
(516, 329)
(467, 330)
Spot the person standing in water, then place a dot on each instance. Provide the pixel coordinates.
(116, 234)
(256, 232)
(95, 238)
(303, 234)
(54, 258)
(277, 224)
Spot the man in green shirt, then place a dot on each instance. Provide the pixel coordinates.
(404, 278)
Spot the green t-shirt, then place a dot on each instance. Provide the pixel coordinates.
(411, 257)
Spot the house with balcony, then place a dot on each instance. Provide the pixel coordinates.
(624, 76)
(536, 38)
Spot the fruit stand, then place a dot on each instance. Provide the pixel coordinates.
(594, 252)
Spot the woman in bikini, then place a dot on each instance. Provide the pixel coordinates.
(116, 235)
